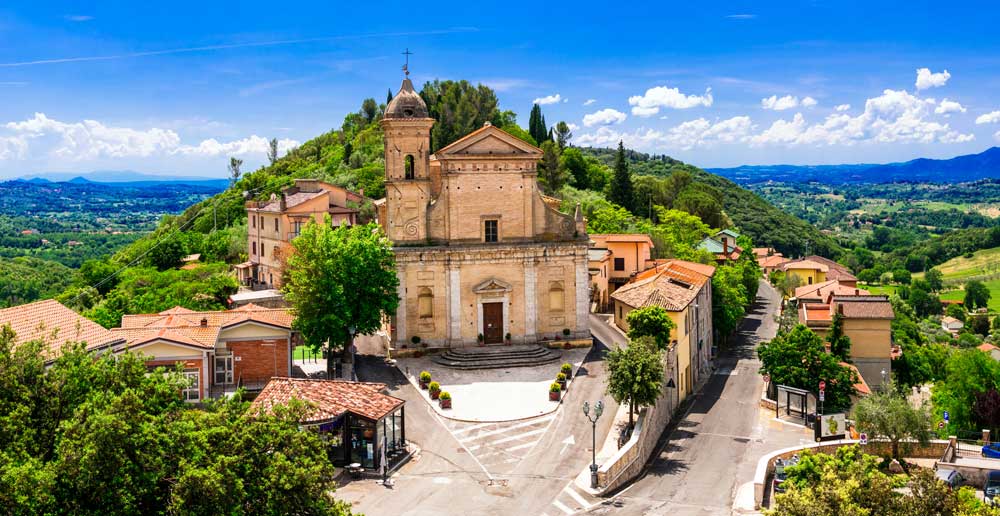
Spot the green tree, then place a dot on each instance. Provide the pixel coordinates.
(977, 295)
(168, 253)
(650, 321)
(635, 375)
(459, 108)
(338, 279)
(934, 280)
(551, 176)
(369, 110)
(924, 303)
(888, 415)
(901, 276)
(563, 135)
(955, 311)
(573, 162)
(968, 374)
(272, 151)
(729, 300)
(840, 344)
(536, 124)
(612, 219)
(234, 168)
(703, 201)
(799, 359)
(621, 183)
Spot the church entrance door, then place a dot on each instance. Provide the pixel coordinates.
(492, 323)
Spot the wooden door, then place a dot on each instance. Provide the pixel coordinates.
(492, 323)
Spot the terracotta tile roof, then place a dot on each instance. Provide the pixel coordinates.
(622, 237)
(705, 270)
(987, 347)
(331, 398)
(805, 264)
(864, 307)
(823, 290)
(862, 386)
(772, 261)
(815, 314)
(671, 286)
(55, 324)
(764, 252)
(834, 270)
(182, 325)
(949, 320)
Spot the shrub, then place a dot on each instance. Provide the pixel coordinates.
(507, 336)
(434, 387)
(480, 337)
(566, 331)
(560, 377)
(425, 377)
(567, 369)
(415, 339)
(445, 395)
(555, 387)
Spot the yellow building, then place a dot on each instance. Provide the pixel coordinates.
(272, 224)
(867, 321)
(480, 255)
(684, 290)
(808, 272)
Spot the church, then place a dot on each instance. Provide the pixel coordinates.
(482, 256)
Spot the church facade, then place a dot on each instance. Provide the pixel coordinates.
(482, 257)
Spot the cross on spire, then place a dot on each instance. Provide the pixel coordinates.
(406, 67)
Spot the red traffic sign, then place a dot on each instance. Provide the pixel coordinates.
(767, 379)
(822, 385)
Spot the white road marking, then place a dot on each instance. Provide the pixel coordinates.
(506, 429)
(473, 427)
(521, 446)
(518, 436)
(562, 507)
(460, 443)
(574, 495)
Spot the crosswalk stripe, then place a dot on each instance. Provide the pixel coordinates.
(562, 507)
(522, 446)
(507, 429)
(518, 436)
(573, 494)
(470, 428)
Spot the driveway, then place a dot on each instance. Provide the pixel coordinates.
(713, 450)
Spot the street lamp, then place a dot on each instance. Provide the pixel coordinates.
(883, 379)
(352, 331)
(598, 410)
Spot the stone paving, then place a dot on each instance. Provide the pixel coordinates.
(493, 395)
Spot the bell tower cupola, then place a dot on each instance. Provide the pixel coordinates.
(406, 125)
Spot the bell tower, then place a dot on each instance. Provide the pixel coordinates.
(406, 125)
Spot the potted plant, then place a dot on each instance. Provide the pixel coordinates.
(415, 339)
(566, 332)
(445, 399)
(435, 390)
(425, 378)
(507, 338)
(566, 369)
(561, 380)
(480, 339)
(567, 345)
(554, 391)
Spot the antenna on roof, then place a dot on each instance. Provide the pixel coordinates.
(406, 66)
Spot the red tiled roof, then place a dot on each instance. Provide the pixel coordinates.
(815, 314)
(671, 286)
(862, 386)
(823, 290)
(835, 270)
(987, 347)
(179, 324)
(330, 398)
(622, 237)
(54, 324)
(772, 261)
(864, 307)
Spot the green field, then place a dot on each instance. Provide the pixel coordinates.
(983, 262)
(304, 352)
(993, 285)
(887, 290)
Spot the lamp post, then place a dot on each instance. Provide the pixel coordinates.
(352, 331)
(598, 410)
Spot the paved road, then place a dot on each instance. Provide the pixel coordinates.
(717, 444)
(523, 467)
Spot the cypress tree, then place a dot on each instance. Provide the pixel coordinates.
(536, 125)
(621, 183)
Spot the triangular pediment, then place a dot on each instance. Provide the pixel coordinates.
(492, 285)
(490, 140)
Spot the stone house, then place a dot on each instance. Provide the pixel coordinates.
(220, 350)
(480, 255)
(684, 290)
(272, 224)
(951, 324)
(867, 321)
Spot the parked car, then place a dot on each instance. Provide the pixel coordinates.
(991, 489)
(991, 451)
(778, 484)
(951, 477)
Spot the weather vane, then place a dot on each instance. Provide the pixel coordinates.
(406, 67)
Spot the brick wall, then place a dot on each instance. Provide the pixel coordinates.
(188, 364)
(258, 360)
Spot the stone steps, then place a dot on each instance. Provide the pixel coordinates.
(497, 357)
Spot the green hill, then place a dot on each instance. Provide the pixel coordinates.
(352, 156)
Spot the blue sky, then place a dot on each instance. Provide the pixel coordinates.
(178, 87)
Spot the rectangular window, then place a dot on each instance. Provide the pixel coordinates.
(296, 229)
(253, 248)
(275, 225)
(619, 264)
(193, 391)
(223, 370)
(253, 221)
(491, 233)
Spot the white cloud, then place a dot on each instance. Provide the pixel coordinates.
(777, 103)
(41, 136)
(843, 107)
(572, 126)
(947, 107)
(589, 102)
(604, 117)
(548, 99)
(926, 79)
(988, 118)
(662, 97)
(609, 137)
(996, 136)
(701, 132)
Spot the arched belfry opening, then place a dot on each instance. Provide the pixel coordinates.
(408, 166)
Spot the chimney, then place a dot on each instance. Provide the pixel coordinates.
(857, 292)
(204, 322)
(725, 247)
(282, 203)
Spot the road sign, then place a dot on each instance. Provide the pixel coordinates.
(946, 415)
(822, 386)
(822, 395)
(940, 424)
(864, 438)
(767, 379)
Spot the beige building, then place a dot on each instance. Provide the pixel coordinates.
(630, 253)
(867, 321)
(479, 253)
(684, 290)
(272, 224)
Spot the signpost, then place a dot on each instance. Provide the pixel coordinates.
(864, 438)
(946, 416)
(822, 395)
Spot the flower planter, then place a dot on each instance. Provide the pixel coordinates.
(446, 404)
(563, 384)
(423, 385)
(554, 396)
(435, 394)
(567, 345)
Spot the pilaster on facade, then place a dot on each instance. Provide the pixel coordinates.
(530, 301)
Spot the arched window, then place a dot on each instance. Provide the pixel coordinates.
(425, 302)
(556, 296)
(408, 166)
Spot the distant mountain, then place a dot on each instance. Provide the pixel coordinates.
(127, 178)
(959, 169)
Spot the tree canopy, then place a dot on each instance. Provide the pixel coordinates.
(651, 321)
(799, 359)
(635, 375)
